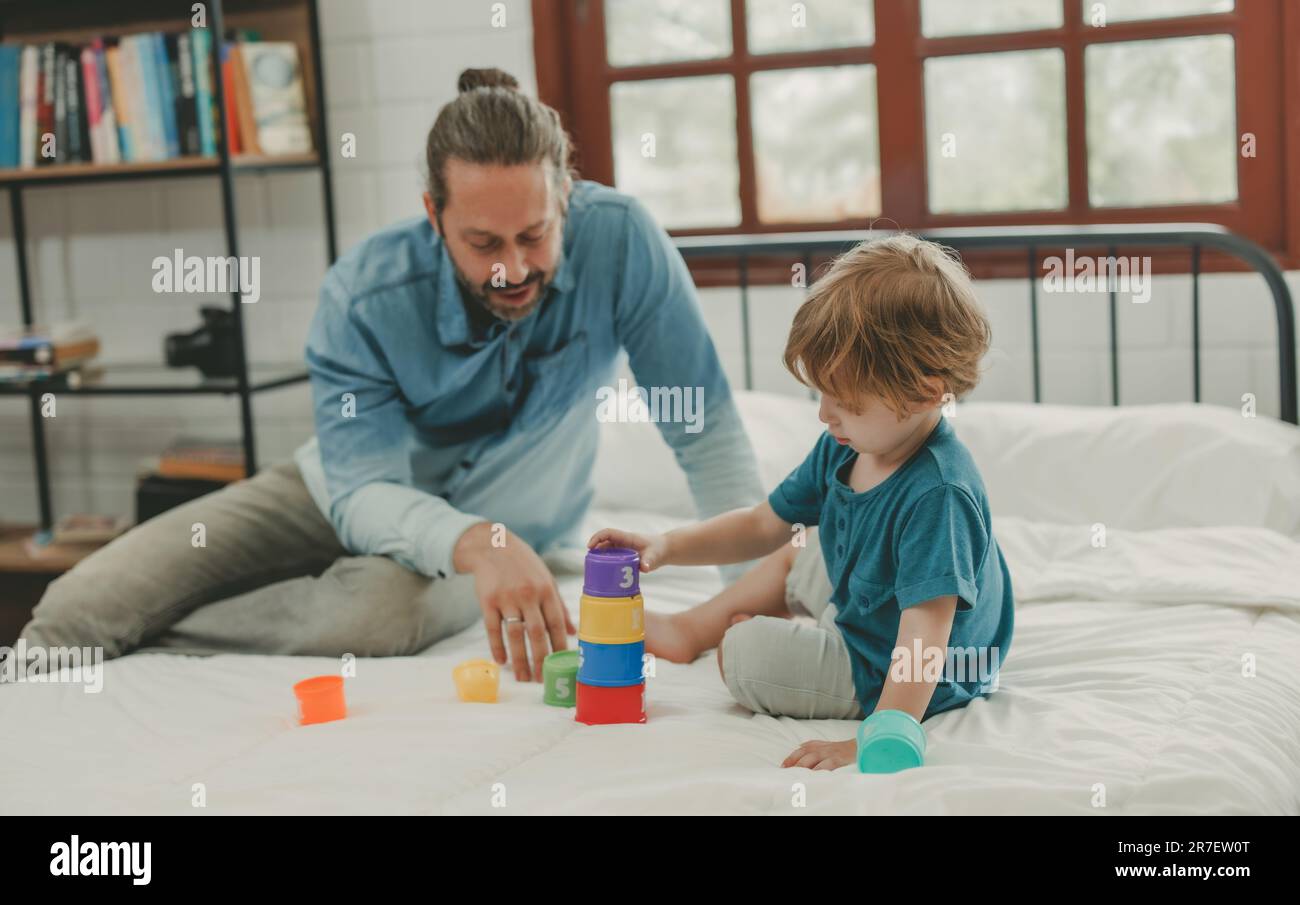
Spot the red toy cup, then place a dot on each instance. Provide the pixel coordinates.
(320, 700)
(598, 705)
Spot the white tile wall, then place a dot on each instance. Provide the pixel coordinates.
(389, 66)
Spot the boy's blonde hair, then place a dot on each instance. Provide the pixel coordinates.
(888, 314)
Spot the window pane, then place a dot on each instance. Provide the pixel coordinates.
(675, 148)
(995, 131)
(1161, 121)
(1097, 12)
(660, 31)
(816, 155)
(940, 18)
(777, 25)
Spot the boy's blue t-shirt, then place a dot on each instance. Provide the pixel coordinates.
(923, 532)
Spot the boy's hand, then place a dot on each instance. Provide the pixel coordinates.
(819, 755)
(652, 547)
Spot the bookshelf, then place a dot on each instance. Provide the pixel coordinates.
(80, 22)
(68, 173)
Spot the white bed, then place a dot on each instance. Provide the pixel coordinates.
(1124, 683)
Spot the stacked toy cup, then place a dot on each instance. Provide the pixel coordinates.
(611, 639)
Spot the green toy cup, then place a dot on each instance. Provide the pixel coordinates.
(889, 741)
(560, 678)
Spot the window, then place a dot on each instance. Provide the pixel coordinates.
(769, 115)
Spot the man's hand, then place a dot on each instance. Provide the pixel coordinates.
(819, 755)
(514, 584)
(652, 547)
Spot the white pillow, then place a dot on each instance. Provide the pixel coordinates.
(1135, 467)
(635, 468)
(1130, 467)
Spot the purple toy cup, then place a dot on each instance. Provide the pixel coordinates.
(612, 572)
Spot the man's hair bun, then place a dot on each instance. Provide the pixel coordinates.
(485, 78)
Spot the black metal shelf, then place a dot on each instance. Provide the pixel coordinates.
(159, 380)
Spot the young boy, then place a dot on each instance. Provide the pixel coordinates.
(882, 535)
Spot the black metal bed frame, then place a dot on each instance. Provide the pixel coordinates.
(1195, 236)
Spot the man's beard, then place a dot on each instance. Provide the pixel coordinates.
(483, 295)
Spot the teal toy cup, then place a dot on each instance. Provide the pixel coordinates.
(889, 741)
(560, 678)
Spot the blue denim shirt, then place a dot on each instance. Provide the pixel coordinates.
(426, 425)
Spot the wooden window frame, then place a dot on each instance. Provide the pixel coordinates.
(574, 77)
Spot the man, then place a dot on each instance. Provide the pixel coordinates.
(454, 364)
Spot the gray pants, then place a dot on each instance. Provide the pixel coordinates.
(272, 579)
(793, 667)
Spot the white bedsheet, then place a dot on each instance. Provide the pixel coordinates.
(1124, 679)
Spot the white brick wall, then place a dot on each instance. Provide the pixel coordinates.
(389, 66)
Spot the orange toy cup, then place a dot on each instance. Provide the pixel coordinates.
(320, 700)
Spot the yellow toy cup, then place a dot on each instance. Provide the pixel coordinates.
(477, 681)
(611, 620)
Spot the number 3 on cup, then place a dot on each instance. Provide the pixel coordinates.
(628, 578)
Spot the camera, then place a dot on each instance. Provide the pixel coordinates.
(212, 348)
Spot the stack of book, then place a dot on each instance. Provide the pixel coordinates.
(201, 459)
(89, 528)
(64, 350)
(147, 97)
(189, 468)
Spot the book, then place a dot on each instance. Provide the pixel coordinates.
(45, 104)
(165, 73)
(205, 459)
(65, 555)
(122, 109)
(109, 134)
(133, 99)
(56, 356)
(60, 93)
(243, 102)
(30, 87)
(145, 65)
(54, 378)
(88, 528)
(38, 344)
(205, 104)
(94, 112)
(187, 119)
(78, 143)
(231, 125)
(58, 331)
(277, 105)
(10, 104)
(150, 96)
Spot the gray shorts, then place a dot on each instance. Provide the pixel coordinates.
(795, 667)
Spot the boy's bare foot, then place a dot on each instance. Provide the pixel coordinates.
(668, 638)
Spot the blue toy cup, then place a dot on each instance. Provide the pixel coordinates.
(610, 665)
(889, 741)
